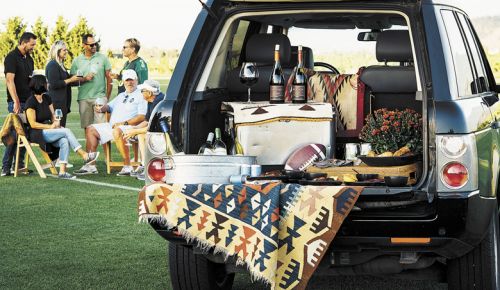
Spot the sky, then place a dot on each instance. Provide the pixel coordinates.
(156, 23)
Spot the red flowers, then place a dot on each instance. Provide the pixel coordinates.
(390, 130)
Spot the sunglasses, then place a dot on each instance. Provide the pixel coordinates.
(126, 47)
(91, 44)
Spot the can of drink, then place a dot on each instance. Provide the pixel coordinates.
(238, 179)
(256, 170)
(365, 148)
(351, 151)
(245, 169)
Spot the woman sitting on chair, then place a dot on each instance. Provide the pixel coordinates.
(45, 129)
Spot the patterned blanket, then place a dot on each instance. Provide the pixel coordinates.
(279, 231)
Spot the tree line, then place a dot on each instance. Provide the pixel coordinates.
(15, 26)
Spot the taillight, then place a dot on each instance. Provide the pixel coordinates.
(156, 143)
(156, 169)
(455, 175)
(453, 146)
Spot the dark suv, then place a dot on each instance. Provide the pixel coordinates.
(426, 57)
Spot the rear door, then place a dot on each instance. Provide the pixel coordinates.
(474, 89)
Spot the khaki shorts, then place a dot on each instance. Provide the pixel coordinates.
(87, 114)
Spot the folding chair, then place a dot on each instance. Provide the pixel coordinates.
(22, 141)
(110, 163)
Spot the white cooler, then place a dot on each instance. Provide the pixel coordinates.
(271, 132)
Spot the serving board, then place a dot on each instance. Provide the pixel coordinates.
(411, 170)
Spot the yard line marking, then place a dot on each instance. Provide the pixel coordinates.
(100, 183)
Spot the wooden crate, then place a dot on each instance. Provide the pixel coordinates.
(410, 170)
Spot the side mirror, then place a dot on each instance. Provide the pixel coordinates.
(368, 35)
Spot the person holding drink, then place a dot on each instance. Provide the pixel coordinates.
(60, 81)
(95, 82)
(45, 127)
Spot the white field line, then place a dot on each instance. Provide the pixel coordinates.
(101, 183)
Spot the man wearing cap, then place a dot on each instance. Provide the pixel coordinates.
(127, 109)
(95, 68)
(151, 92)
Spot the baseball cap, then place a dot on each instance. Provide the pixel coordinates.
(150, 85)
(129, 74)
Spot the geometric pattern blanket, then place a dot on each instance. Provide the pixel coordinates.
(278, 231)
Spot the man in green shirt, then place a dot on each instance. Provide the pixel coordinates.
(95, 69)
(131, 48)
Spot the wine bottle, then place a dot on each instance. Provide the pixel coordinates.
(299, 94)
(219, 147)
(172, 149)
(236, 148)
(206, 148)
(277, 80)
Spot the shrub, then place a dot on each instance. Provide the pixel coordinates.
(390, 130)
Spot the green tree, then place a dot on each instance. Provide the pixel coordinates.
(60, 32)
(74, 39)
(9, 38)
(41, 51)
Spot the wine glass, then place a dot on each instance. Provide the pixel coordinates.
(58, 114)
(79, 73)
(249, 74)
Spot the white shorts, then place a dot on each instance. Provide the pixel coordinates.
(106, 131)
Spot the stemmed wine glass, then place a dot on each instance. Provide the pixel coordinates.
(79, 73)
(249, 75)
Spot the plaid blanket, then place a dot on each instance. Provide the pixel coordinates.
(279, 231)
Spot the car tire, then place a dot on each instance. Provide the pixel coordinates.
(189, 271)
(478, 269)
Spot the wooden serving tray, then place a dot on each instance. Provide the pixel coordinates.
(411, 170)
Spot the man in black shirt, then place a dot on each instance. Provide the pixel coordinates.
(19, 67)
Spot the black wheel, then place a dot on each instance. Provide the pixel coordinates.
(478, 269)
(328, 66)
(195, 272)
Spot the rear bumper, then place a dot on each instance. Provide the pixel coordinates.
(454, 225)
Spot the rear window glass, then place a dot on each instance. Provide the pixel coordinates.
(461, 62)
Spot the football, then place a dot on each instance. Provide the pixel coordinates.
(303, 157)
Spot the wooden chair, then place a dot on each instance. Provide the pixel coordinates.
(22, 141)
(110, 163)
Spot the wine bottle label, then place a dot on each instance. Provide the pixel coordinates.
(220, 151)
(276, 93)
(208, 151)
(299, 93)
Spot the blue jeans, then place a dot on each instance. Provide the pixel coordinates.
(10, 151)
(62, 138)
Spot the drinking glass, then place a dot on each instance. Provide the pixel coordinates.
(79, 73)
(99, 103)
(58, 114)
(249, 75)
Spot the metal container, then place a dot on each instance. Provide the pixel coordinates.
(191, 169)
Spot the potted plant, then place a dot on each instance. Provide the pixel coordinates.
(393, 132)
